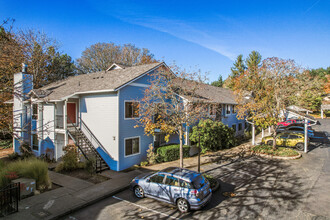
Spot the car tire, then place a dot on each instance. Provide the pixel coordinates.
(183, 205)
(300, 146)
(138, 192)
(270, 143)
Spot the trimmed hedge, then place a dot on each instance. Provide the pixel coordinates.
(171, 152)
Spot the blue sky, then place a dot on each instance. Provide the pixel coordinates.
(207, 35)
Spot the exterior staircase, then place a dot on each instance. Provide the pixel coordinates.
(87, 146)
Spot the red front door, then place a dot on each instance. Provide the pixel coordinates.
(71, 112)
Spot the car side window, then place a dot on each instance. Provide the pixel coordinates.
(185, 184)
(158, 178)
(171, 181)
(294, 137)
(284, 136)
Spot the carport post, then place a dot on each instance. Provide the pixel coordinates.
(305, 144)
(321, 113)
(253, 135)
(262, 132)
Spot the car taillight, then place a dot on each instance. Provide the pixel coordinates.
(194, 192)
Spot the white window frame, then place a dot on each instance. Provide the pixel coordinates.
(125, 146)
(226, 108)
(233, 107)
(125, 109)
(37, 142)
(232, 126)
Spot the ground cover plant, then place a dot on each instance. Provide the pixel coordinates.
(279, 151)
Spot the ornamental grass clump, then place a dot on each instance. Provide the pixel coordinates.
(32, 168)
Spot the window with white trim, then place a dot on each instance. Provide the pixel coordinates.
(240, 126)
(227, 109)
(35, 111)
(35, 142)
(234, 109)
(132, 146)
(131, 109)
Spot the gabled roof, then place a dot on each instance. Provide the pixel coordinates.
(298, 108)
(210, 94)
(300, 114)
(99, 81)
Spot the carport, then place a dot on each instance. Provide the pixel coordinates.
(292, 113)
(324, 107)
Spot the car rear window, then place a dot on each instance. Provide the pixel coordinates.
(199, 182)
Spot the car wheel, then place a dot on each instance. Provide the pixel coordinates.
(300, 146)
(138, 192)
(183, 205)
(270, 143)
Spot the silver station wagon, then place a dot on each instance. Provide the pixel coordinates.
(184, 188)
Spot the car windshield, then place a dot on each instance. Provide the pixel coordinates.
(199, 182)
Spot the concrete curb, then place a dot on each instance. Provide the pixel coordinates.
(279, 157)
(88, 203)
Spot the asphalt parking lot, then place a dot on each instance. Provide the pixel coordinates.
(264, 189)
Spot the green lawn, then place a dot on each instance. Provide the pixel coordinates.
(279, 151)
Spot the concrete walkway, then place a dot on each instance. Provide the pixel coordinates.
(73, 195)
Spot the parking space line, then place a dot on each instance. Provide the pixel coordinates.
(142, 207)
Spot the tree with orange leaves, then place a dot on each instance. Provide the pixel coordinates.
(166, 107)
(272, 85)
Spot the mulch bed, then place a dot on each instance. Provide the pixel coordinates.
(84, 175)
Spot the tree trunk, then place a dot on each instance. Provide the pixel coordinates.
(181, 146)
(274, 137)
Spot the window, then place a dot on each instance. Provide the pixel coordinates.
(132, 146)
(158, 178)
(185, 184)
(35, 111)
(171, 181)
(284, 136)
(294, 137)
(131, 109)
(159, 140)
(240, 126)
(227, 109)
(234, 127)
(212, 110)
(234, 109)
(35, 142)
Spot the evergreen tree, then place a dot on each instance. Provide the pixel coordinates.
(218, 83)
(237, 70)
(239, 67)
(253, 61)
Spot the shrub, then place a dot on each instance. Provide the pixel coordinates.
(144, 163)
(69, 159)
(26, 150)
(214, 135)
(151, 155)
(171, 152)
(89, 165)
(13, 156)
(29, 168)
